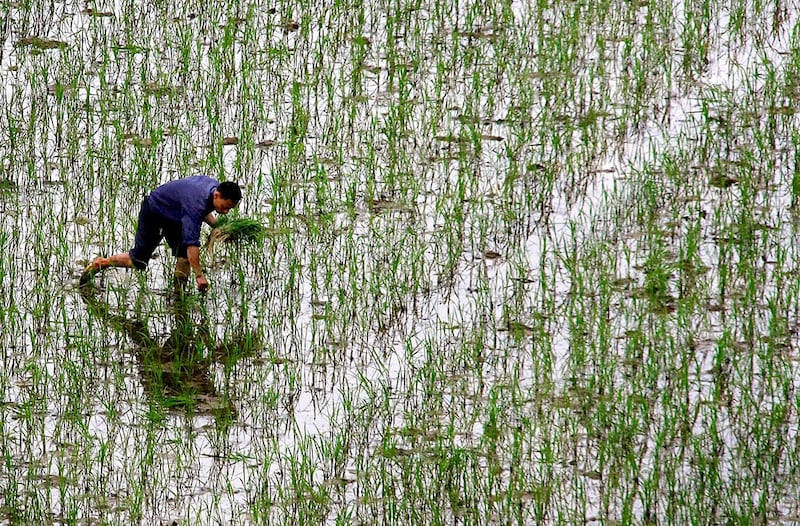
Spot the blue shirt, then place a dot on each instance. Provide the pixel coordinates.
(186, 201)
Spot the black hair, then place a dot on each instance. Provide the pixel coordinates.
(230, 190)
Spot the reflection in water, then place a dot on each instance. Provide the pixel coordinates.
(177, 373)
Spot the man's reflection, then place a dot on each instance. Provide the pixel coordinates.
(177, 373)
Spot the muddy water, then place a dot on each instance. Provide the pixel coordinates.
(529, 263)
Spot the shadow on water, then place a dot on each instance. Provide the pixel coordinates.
(177, 375)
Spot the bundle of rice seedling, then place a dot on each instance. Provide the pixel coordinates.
(236, 230)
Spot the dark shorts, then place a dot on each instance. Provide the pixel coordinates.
(151, 230)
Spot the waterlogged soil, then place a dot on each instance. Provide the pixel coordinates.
(524, 262)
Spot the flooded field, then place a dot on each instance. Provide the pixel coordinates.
(528, 262)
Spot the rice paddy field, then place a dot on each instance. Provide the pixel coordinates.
(527, 262)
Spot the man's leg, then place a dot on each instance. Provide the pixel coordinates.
(182, 270)
(100, 263)
(119, 260)
(173, 233)
(148, 236)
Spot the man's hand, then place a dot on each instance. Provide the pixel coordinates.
(202, 283)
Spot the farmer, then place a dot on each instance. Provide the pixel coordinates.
(175, 211)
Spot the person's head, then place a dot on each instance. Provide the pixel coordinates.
(226, 197)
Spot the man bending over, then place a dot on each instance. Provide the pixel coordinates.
(175, 211)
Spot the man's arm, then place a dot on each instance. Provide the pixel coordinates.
(211, 220)
(193, 255)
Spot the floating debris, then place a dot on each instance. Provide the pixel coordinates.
(452, 139)
(723, 181)
(382, 204)
(141, 142)
(58, 89)
(160, 90)
(41, 43)
(97, 14)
